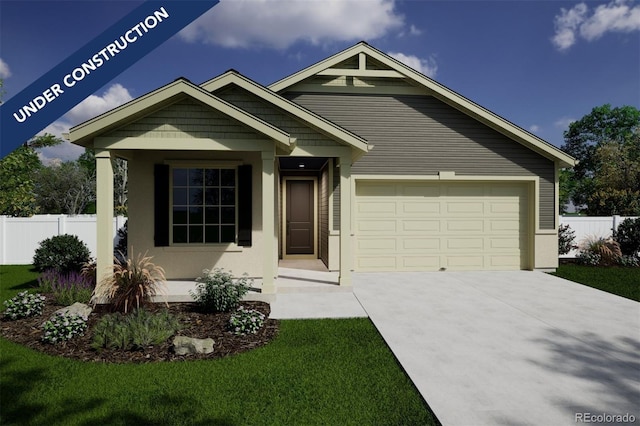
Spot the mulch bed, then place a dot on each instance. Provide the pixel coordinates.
(28, 332)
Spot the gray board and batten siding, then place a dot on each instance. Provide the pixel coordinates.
(421, 135)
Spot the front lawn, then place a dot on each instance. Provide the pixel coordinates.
(623, 282)
(315, 372)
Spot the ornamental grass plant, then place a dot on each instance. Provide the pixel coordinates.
(132, 284)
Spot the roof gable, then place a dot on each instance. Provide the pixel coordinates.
(232, 78)
(84, 133)
(372, 63)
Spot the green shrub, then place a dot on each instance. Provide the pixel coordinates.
(137, 330)
(246, 321)
(218, 291)
(64, 253)
(63, 327)
(132, 284)
(628, 236)
(24, 305)
(565, 239)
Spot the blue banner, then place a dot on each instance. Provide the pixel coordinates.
(92, 67)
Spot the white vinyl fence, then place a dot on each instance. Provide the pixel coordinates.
(21, 236)
(591, 226)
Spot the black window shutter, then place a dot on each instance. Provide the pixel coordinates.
(245, 210)
(161, 205)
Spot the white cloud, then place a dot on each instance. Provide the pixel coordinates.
(413, 30)
(92, 106)
(428, 66)
(279, 24)
(534, 128)
(115, 96)
(5, 72)
(615, 16)
(563, 122)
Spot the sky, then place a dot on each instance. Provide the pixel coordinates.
(539, 64)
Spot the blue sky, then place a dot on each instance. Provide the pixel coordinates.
(539, 64)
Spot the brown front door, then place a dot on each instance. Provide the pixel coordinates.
(300, 210)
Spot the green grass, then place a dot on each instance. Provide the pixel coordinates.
(623, 282)
(322, 372)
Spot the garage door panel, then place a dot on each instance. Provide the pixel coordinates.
(416, 207)
(502, 225)
(505, 243)
(420, 244)
(507, 208)
(367, 209)
(465, 208)
(465, 225)
(369, 245)
(412, 225)
(419, 263)
(433, 225)
(464, 243)
(377, 263)
(465, 262)
(420, 190)
(377, 226)
(377, 190)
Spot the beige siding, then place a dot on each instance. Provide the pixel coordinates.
(420, 135)
(305, 135)
(186, 119)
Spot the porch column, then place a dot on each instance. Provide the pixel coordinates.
(104, 210)
(345, 220)
(268, 222)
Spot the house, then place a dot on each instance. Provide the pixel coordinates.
(357, 160)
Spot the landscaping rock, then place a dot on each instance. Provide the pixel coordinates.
(76, 309)
(183, 345)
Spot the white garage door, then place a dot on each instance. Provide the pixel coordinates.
(418, 226)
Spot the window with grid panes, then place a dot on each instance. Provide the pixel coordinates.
(203, 205)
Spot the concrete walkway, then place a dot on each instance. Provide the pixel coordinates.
(509, 348)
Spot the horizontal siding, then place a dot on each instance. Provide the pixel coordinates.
(305, 135)
(186, 119)
(420, 135)
(343, 81)
(336, 196)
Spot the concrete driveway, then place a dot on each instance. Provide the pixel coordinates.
(510, 348)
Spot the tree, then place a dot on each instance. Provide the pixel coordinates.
(65, 188)
(606, 143)
(120, 178)
(17, 172)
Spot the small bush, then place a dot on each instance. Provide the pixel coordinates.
(607, 249)
(218, 291)
(63, 327)
(66, 288)
(630, 261)
(246, 321)
(24, 305)
(137, 330)
(64, 253)
(132, 284)
(566, 236)
(628, 236)
(588, 258)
